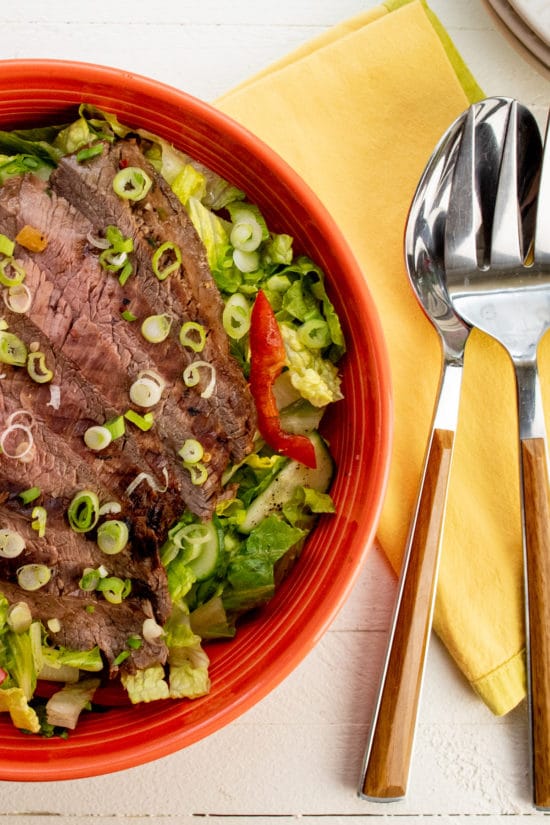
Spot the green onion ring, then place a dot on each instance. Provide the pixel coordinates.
(33, 576)
(189, 333)
(83, 511)
(132, 183)
(112, 537)
(167, 248)
(12, 349)
(11, 544)
(11, 280)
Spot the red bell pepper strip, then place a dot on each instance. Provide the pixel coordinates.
(267, 359)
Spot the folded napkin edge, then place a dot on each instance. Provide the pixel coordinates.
(505, 687)
(468, 82)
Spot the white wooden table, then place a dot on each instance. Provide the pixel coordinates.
(297, 753)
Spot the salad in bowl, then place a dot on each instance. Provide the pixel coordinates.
(167, 359)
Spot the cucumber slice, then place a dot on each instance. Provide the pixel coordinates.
(205, 563)
(285, 482)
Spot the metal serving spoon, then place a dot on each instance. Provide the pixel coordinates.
(498, 277)
(389, 748)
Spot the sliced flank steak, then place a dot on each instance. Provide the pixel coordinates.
(96, 353)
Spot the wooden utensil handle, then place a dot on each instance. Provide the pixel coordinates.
(388, 757)
(537, 557)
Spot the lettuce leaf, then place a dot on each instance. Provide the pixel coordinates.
(58, 657)
(146, 685)
(14, 701)
(316, 378)
(251, 573)
(212, 231)
(187, 681)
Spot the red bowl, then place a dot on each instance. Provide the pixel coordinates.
(269, 645)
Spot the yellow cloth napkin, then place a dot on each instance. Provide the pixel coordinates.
(357, 113)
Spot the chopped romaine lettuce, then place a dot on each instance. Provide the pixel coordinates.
(189, 183)
(14, 701)
(146, 685)
(188, 682)
(65, 706)
(57, 657)
(317, 379)
(18, 653)
(212, 231)
(250, 573)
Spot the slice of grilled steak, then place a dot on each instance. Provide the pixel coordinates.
(86, 622)
(75, 319)
(191, 296)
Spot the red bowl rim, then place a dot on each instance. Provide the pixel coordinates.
(70, 762)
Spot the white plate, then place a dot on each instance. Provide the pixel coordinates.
(536, 13)
(521, 35)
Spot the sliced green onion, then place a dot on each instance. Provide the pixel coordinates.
(117, 240)
(144, 422)
(126, 315)
(153, 483)
(134, 642)
(116, 426)
(198, 473)
(33, 576)
(112, 260)
(83, 512)
(30, 495)
(171, 263)
(12, 349)
(89, 580)
(110, 507)
(89, 152)
(112, 537)
(145, 392)
(39, 516)
(246, 233)
(54, 625)
(193, 335)
(314, 333)
(7, 279)
(191, 376)
(37, 369)
(122, 656)
(11, 544)
(19, 617)
(132, 183)
(236, 316)
(7, 246)
(16, 441)
(125, 274)
(192, 451)
(151, 630)
(246, 261)
(18, 298)
(97, 437)
(114, 590)
(156, 328)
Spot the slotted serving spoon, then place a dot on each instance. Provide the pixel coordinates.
(493, 288)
